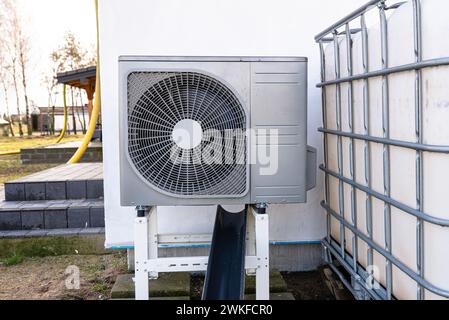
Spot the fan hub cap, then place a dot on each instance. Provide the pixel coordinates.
(187, 134)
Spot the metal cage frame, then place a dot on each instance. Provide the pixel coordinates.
(361, 281)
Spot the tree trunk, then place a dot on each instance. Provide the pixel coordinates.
(14, 78)
(82, 111)
(25, 93)
(53, 129)
(8, 113)
(73, 112)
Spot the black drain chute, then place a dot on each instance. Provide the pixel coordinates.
(225, 277)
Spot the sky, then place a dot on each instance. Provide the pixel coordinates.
(46, 22)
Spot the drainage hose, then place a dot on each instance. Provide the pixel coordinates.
(97, 104)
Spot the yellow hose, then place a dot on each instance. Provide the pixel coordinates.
(9, 153)
(64, 94)
(97, 104)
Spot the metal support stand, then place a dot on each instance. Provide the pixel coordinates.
(148, 264)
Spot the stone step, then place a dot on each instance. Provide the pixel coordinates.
(20, 234)
(61, 153)
(65, 182)
(56, 214)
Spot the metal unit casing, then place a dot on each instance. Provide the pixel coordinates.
(273, 94)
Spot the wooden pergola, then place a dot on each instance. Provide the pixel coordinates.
(82, 79)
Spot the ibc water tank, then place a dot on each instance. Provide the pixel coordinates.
(364, 162)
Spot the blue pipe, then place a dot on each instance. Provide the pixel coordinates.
(205, 245)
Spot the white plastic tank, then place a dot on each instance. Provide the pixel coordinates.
(435, 130)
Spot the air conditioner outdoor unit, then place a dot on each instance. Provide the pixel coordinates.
(214, 130)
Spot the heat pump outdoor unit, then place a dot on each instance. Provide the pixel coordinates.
(214, 130)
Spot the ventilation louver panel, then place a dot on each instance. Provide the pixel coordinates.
(157, 103)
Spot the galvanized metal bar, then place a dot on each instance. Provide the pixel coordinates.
(367, 151)
(353, 15)
(389, 257)
(386, 148)
(376, 294)
(391, 142)
(341, 202)
(349, 63)
(390, 201)
(387, 71)
(417, 31)
(325, 141)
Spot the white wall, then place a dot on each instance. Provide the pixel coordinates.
(218, 28)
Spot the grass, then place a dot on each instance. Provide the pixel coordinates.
(10, 166)
(44, 278)
(8, 144)
(13, 260)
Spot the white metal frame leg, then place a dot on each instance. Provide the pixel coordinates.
(141, 252)
(148, 264)
(153, 240)
(263, 256)
(250, 240)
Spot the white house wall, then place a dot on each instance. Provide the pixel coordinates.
(211, 28)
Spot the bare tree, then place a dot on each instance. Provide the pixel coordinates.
(21, 55)
(10, 43)
(4, 75)
(23, 52)
(5, 84)
(69, 57)
(51, 84)
(79, 94)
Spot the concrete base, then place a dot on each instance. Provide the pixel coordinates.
(283, 296)
(174, 285)
(277, 283)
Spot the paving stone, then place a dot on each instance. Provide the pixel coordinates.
(16, 234)
(277, 283)
(10, 220)
(34, 191)
(55, 191)
(37, 233)
(55, 219)
(94, 189)
(64, 232)
(11, 205)
(283, 296)
(35, 205)
(97, 217)
(78, 217)
(168, 285)
(91, 231)
(14, 191)
(32, 220)
(76, 190)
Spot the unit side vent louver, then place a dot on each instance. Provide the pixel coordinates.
(158, 102)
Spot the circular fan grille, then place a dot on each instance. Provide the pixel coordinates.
(158, 103)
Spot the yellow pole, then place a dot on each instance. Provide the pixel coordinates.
(97, 103)
(64, 95)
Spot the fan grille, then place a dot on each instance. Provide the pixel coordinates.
(157, 101)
